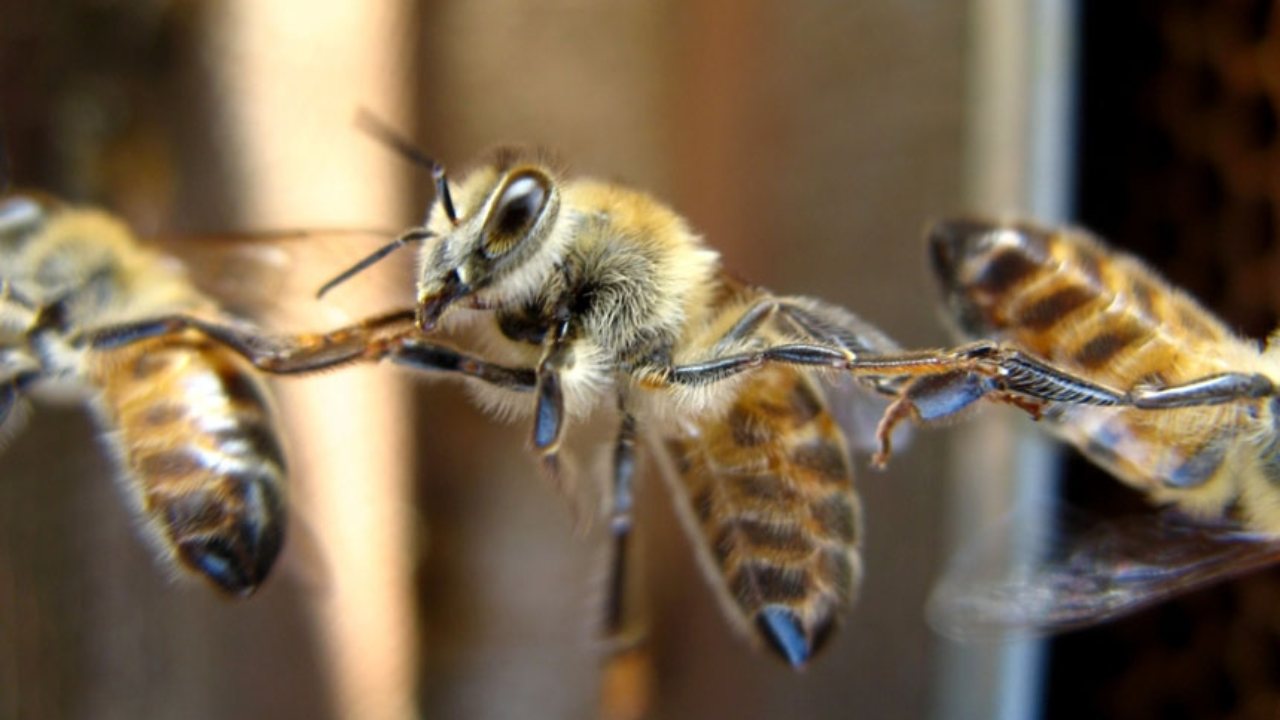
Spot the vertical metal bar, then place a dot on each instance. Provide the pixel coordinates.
(1020, 137)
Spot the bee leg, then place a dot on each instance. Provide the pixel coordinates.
(929, 400)
(548, 415)
(18, 371)
(627, 669)
(440, 358)
(12, 390)
(1021, 375)
(721, 368)
(836, 340)
(867, 365)
(1213, 390)
(389, 336)
(985, 371)
(748, 324)
(823, 324)
(324, 349)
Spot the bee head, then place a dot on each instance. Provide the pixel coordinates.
(495, 245)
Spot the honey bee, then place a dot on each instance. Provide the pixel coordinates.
(1195, 430)
(581, 293)
(188, 421)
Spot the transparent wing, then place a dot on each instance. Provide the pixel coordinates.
(274, 276)
(856, 406)
(1075, 571)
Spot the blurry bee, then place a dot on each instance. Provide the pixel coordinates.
(1196, 430)
(581, 293)
(186, 419)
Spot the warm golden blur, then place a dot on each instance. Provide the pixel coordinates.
(431, 571)
(297, 69)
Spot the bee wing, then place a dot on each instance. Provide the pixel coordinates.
(276, 275)
(857, 405)
(1027, 580)
(766, 494)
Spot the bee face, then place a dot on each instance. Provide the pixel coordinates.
(497, 250)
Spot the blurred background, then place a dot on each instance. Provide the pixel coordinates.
(430, 571)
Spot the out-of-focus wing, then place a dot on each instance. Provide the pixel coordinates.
(857, 406)
(766, 493)
(1069, 572)
(273, 277)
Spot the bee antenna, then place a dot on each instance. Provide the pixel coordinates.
(374, 257)
(382, 131)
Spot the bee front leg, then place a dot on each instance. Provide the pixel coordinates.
(277, 354)
(548, 415)
(391, 337)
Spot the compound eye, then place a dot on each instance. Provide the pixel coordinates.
(518, 208)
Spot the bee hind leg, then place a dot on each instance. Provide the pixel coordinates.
(1213, 390)
(627, 670)
(929, 400)
(943, 385)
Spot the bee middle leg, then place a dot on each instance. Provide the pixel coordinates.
(549, 412)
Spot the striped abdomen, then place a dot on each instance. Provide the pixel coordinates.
(200, 456)
(1068, 299)
(1106, 317)
(770, 490)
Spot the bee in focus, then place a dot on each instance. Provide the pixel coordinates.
(580, 294)
(188, 422)
(1197, 430)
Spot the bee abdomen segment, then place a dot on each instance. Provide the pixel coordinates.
(1192, 422)
(1045, 312)
(787, 636)
(770, 492)
(230, 533)
(200, 454)
(1102, 348)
